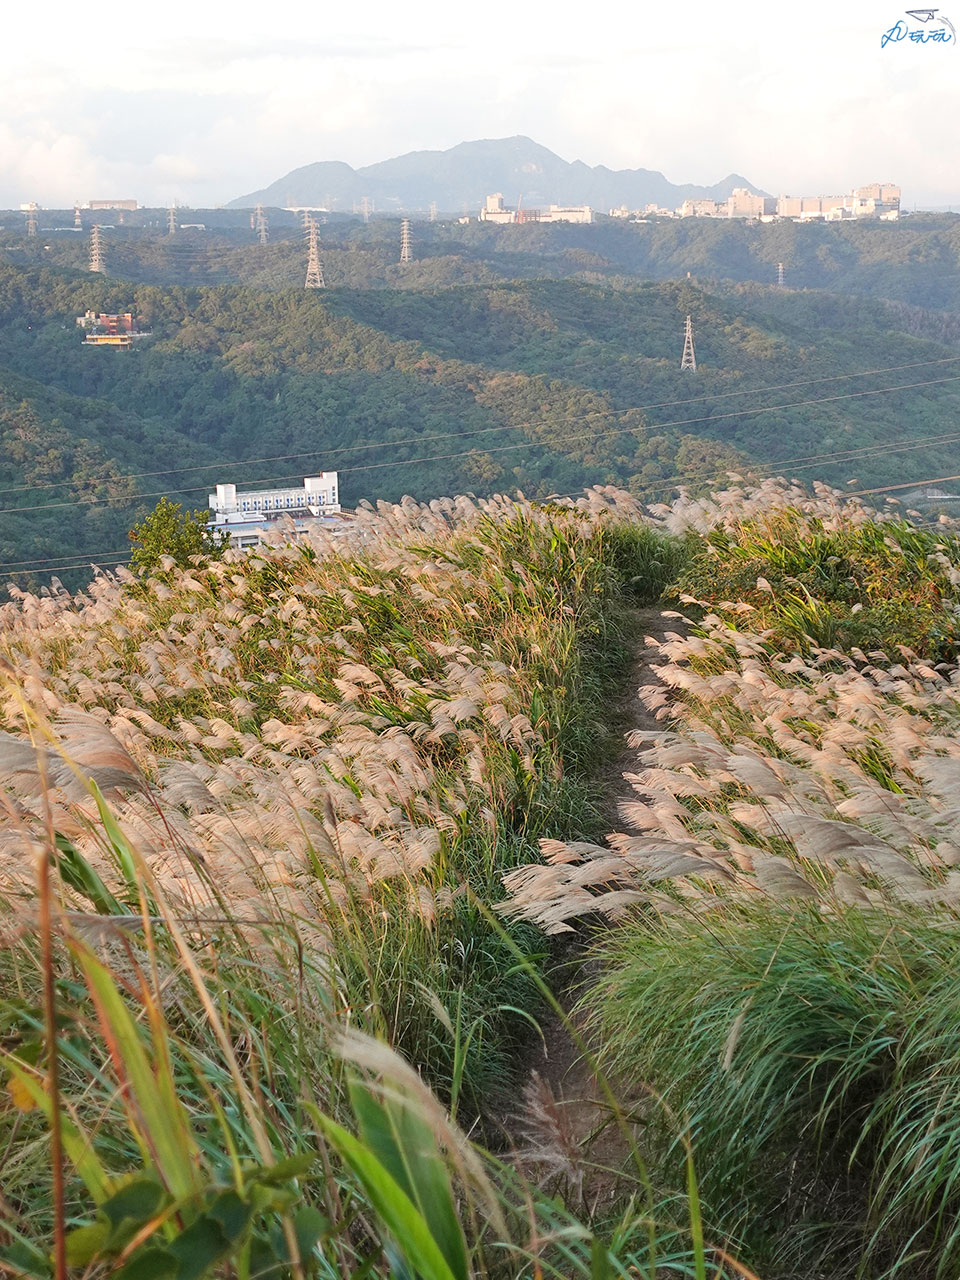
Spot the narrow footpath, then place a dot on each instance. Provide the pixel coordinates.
(563, 1117)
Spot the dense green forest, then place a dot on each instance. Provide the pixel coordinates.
(542, 384)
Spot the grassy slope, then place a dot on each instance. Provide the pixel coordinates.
(325, 759)
(785, 986)
(314, 765)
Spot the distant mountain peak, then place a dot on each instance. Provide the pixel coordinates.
(459, 179)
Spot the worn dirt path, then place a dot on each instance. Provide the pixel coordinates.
(561, 1088)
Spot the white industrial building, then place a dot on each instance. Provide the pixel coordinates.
(566, 213)
(877, 200)
(494, 210)
(248, 515)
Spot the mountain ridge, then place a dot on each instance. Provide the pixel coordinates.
(460, 177)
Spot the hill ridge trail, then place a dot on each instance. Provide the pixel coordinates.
(561, 1091)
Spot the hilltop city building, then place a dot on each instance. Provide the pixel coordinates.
(247, 516)
(105, 329)
(494, 210)
(128, 206)
(877, 200)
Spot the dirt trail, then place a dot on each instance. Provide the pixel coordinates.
(630, 711)
(555, 1059)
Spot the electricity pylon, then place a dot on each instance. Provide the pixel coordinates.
(433, 210)
(97, 262)
(172, 220)
(32, 218)
(260, 224)
(406, 242)
(780, 281)
(314, 278)
(689, 358)
(366, 208)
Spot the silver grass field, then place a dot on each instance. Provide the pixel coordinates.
(287, 834)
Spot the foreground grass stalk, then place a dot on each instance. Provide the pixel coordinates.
(46, 860)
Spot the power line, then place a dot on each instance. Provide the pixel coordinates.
(79, 555)
(527, 444)
(864, 451)
(909, 484)
(767, 470)
(63, 568)
(517, 426)
(806, 461)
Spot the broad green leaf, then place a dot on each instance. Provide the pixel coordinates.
(310, 1227)
(131, 1207)
(151, 1264)
(390, 1202)
(267, 1199)
(232, 1214)
(87, 1243)
(22, 1258)
(199, 1248)
(291, 1167)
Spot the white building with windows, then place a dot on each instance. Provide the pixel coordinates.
(247, 515)
(494, 210)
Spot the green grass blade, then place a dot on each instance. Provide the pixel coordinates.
(391, 1203)
(149, 1089)
(77, 1145)
(405, 1145)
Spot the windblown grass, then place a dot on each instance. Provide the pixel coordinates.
(352, 738)
(257, 813)
(786, 886)
(816, 1059)
(806, 580)
(264, 800)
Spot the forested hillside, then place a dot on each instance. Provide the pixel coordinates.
(543, 385)
(916, 260)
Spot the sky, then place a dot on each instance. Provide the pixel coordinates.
(199, 103)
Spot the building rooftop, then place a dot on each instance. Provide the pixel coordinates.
(315, 496)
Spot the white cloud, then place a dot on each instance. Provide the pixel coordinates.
(795, 98)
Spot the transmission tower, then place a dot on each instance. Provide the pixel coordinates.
(77, 220)
(172, 220)
(366, 208)
(689, 359)
(32, 218)
(780, 281)
(433, 210)
(306, 217)
(406, 241)
(260, 224)
(97, 262)
(314, 278)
